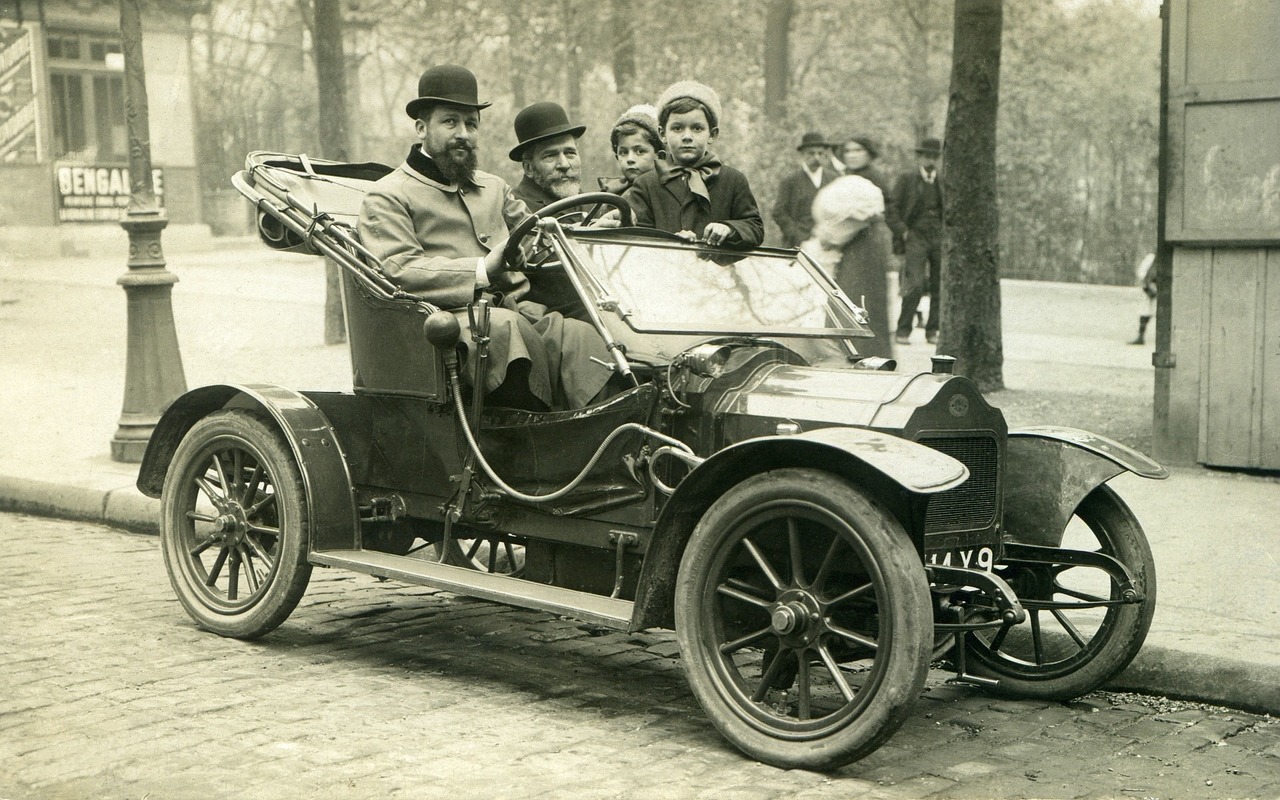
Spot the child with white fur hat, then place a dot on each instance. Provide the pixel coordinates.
(692, 193)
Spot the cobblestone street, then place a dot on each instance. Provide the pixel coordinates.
(374, 690)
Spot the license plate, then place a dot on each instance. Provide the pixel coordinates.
(971, 557)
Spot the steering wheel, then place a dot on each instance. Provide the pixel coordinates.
(526, 225)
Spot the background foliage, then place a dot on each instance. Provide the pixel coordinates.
(1078, 114)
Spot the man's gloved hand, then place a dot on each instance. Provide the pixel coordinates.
(493, 263)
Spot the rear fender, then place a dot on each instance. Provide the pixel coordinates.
(897, 472)
(331, 502)
(1049, 470)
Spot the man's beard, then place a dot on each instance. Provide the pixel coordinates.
(560, 188)
(456, 161)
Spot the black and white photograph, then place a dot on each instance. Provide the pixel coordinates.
(623, 399)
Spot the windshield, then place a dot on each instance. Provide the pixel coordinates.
(669, 287)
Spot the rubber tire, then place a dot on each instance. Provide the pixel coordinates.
(286, 582)
(903, 667)
(1106, 654)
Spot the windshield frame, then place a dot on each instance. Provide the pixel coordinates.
(571, 243)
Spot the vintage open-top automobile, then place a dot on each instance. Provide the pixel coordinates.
(816, 527)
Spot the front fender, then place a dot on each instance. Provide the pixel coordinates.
(1049, 470)
(893, 469)
(331, 501)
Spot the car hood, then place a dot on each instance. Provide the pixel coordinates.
(832, 396)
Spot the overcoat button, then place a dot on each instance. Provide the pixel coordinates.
(484, 238)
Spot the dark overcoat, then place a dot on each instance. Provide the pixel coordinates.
(793, 208)
(550, 288)
(668, 205)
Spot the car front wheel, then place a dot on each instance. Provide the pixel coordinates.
(1078, 633)
(803, 619)
(234, 525)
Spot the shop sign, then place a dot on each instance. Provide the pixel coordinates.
(98, 194)
(17, 98)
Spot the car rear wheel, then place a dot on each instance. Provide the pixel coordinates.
(803, 619)
(234, 525)
(497, 554)
(1060, 653)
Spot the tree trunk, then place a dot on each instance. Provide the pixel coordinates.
(331, 81)
(573, 70)
(624, 47)
(777, 57)
(971, 275)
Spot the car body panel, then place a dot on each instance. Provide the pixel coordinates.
(330, 499)
(1049, 470)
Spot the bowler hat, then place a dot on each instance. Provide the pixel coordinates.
(813, 139)
(930, 147)
(445, 83)
(542, 121)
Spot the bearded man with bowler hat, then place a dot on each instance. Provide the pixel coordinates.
(439, 225)
(547, 149)
(917, 236)
(793, 209)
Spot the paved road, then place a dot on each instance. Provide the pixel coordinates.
(374, 690)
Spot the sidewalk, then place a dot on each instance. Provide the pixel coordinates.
(248, 314)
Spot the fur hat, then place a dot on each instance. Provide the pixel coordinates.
(695, 91)
(643, 116)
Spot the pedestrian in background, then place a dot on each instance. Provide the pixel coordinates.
(858, 153)
(847, 215)
(917, 237)
(1146, 275)
(793, 208)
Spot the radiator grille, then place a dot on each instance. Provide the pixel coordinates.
(972, 504)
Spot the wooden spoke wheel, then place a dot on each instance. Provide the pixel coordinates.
(234, 525)
(1062, 651)
(803, 618)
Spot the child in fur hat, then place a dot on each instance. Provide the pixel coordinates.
(636, 145)
(692, 193)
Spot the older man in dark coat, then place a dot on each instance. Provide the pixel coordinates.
(547, 149)
(438, 226)
(917, 236)
(793, 209)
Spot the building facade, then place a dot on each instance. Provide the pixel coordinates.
(1217, 359)
(64, 180)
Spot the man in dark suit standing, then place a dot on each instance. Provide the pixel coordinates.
(793, 211)
(917, 236)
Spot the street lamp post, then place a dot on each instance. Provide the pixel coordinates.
(153, 366)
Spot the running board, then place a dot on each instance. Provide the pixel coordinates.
(593, 608)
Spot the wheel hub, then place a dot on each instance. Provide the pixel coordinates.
(797, 618)
(787, 618)
(232, 525)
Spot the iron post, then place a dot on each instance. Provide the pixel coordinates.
(153, 365)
